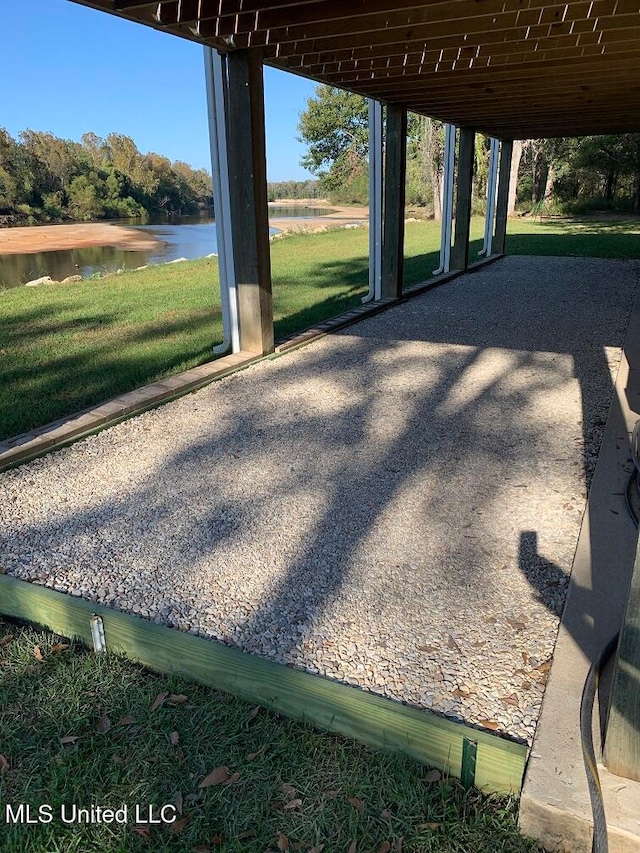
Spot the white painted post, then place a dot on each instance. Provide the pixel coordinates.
(492, 183)
(214, 65)
(375, 201)
(447, 199)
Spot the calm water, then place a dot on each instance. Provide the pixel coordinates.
(182, 237)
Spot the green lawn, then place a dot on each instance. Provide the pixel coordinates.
(68, 347)
(82, 729)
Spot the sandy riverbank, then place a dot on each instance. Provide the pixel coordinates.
(51, 238)
(339, 217)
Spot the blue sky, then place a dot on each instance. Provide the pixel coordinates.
(67, 69)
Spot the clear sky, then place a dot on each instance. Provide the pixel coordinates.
(67, 69)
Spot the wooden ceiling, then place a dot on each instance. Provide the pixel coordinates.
(510, 68)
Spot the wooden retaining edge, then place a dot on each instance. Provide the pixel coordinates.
(374, 720)
(53, 436)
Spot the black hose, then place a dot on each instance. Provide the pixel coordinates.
(600, 841)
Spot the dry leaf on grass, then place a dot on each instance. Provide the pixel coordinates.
(179, 825)
(397, 844)
(177, 801)
(288, 790)
(318, 849)
(357, 803)
(104, 724)
(283, 842)
(253, 713)
(217, 840)
(176, 699)
(174, 737)
(385, 814)
(384, 847)
(126, 721)
(6, 639)
(431, 826)
(352, 847)
(216, 777)
(433, 776)
(4, 763)
(293, 804)
(201, 848)
(247, 833)
(159, 700)
(252, 755)
(69, 739)
(37, 653)
(59, 647)
(143, 831)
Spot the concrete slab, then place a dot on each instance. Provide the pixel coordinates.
(555, 807)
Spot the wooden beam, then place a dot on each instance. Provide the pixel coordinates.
(330, 705)
(395, 166)
(502, 203)
(622, 740)
(466, 152)
(248, 197)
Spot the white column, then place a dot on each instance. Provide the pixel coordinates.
(375, 201)
(492, 183)
(447, 199)
(214, 64)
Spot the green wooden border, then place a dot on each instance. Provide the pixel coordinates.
(374, 720)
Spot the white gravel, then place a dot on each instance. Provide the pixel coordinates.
(395, 506)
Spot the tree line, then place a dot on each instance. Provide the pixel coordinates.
(549, 175)
(47, 179)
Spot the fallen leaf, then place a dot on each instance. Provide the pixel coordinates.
(174, 737)
(357, 803)
(216, 777)
(452, 645)
(69, 739)
(432, 826)
(159, 700)
(526, 685)
(428, 649)
(143, 832)
(59, 647)
(253, 713)
(525, 657)
(176, 699)
(293, 804)
(177, 801)
(283, 842)
(126, 721)
(201, 848)
(217, 840)
(4, 763)
(384, 847)
(252, 755)
(511, 700)
(6, 639)
(433, 776)
(247, 833)
(288, 790)
(397, 844)
(385, 814)
(104, 724)
(489, 724)
(235, 777)
(37, 653)
(179, 825)
(546, 666)
(117, 759)
(318, 849)
(332, 794)
(352, 847)
(461, 693)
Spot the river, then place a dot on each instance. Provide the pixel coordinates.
(182, 237)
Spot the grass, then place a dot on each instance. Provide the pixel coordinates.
(82, 729)
(65, 348)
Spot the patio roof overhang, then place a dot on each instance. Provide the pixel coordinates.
(509, 68)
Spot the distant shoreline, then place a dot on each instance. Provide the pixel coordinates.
(31, 239)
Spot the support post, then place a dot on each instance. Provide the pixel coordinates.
(491, 199)
(506, 149)
(466, 152)
(215, 76)
(394, 196)
(248, 199)
(447, 199)
(375, 200)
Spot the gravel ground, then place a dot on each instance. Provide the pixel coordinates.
(395, 506)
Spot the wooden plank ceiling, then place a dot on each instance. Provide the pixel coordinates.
(509, 68)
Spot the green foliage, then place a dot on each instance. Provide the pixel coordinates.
(293, 190)
(43, 178)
